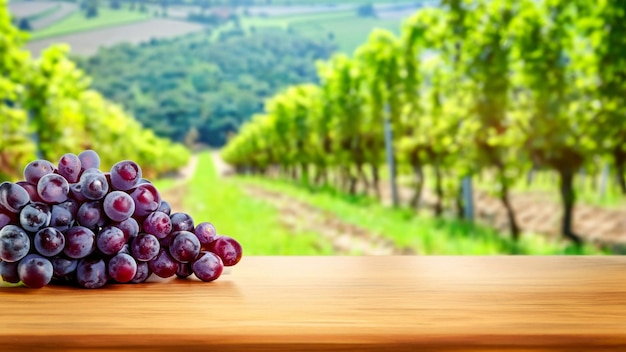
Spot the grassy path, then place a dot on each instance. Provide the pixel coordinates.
(278, 217)
(296, 216)
(266, 222)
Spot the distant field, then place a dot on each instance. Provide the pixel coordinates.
(30, 8)
(349, 32)
(321, 2)
(282, 10)
(348, 29)
(65, 10)
(299, 2)
(285, 21)
(87, 43)
(42, 14)
(77, 22)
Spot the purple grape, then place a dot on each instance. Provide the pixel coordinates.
(93, 185)
(36, 170)
(157, 224)
(69, 167)
(49, 241)
(122, 268)
(62, 267)
(91, 215)
(76, 193)
(125, 175)
(79, 242)
(53, 188)
(165, 207)
(8, 272)
(13, 197)
(89, 159)
(182, 222)
(14, 243)
(165, 242)
(13, 217)
(61, 217)
(6, 219)
(208, 266)
(31, 190)
(118, 206)
(145, 247)
(184, 270)
(35, 271)
(129, 227)
(71, 205)
(143, 272)
(35, 216)
(125, 249)
(91, 273)
(110, 240)
(184, 246)
(228, 249)
(206, 233)
(163, 265)
(147, 200)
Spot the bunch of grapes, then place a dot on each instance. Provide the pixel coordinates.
(75, 224)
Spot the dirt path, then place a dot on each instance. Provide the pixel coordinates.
(538, 212)
(346, 238)
(298, 216)
(173, 195)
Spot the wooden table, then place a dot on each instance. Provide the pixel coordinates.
(343, 303)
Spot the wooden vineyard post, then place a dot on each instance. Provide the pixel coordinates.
(604, 179)
(468, 198)
(389, 155)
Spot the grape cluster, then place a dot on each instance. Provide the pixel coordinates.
(75, 224)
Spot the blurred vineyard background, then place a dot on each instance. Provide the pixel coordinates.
(339, 126)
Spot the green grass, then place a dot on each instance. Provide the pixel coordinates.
(546, 182)
(294, 19)
(349, 32)
(252, 222)
(77, 22)
(297, 2)
(44, 13)
(424, 233)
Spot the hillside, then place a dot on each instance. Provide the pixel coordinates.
(199, 89)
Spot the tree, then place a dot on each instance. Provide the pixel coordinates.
(164, 5)
(488, 71)
(24, 24)
(558, 132)
(381, 56)
(414, 43)
(16, 148)
(91, 8)
(606, 25)
(366, 10)
(46, 105)
(343, 82)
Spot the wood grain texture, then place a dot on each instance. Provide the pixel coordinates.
(512, 303)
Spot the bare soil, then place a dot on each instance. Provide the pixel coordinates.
(174, 194)
(88, 43)
(537, 212)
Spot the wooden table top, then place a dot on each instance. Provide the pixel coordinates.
(426, 303)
